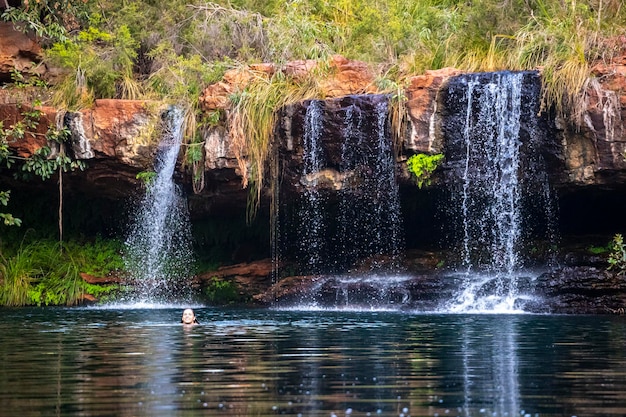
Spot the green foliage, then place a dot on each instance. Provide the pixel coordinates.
(599, 250)
(17, 275)
(617, 257)
(422, 167)
(98, 64)
(99, 257)
(49, 19)
(22, 81)
(220, 291)
(43, 166)
(147, 177)
(40, 273)
(212, 118)
(7, 218)
(28, 122)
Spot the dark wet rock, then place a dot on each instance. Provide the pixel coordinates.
(424, 292)
(581, 290)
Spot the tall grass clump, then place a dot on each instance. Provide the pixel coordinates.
(252, 119)
(17, 273)
(40, 273)
(558, 40)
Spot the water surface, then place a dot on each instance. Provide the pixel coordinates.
(143, 362)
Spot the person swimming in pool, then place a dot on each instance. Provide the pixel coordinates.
(189, 317)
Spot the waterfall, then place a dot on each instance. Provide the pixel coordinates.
(346, 222)
(370, 220)
(311, 227)
(497, 162)
(158, 252)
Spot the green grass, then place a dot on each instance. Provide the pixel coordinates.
(45, 272)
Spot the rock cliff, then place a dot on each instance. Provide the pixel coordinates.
(118, 138)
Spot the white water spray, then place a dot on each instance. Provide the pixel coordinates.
(370, 219)
(158, 253)
(491, 194)
(311, 227)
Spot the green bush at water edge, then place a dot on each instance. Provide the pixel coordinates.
(48, 273)
(220, 291)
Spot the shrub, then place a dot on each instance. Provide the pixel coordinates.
(422, 167)
(40, 273)
(617, 257)
(220, 291)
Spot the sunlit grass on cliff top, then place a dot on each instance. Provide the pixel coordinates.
(398, 38)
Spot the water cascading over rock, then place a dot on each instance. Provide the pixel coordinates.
(158, 253)
(500, 195)
(345, 222)
(312, 227)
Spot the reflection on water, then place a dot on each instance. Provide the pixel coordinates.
(96, 362)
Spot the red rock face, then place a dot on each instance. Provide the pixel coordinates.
(34, 139)
(18, 52)
(348, 77)
(116, 138)
(122, 129)
(421, 107)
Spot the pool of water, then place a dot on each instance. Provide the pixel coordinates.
(143, 362)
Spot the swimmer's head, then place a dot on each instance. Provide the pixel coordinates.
(188, 317)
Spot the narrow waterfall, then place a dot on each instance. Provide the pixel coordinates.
(158, 252)
(311, 227)
(496, 160)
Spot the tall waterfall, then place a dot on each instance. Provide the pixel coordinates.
(497, 162)
(158, 253)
